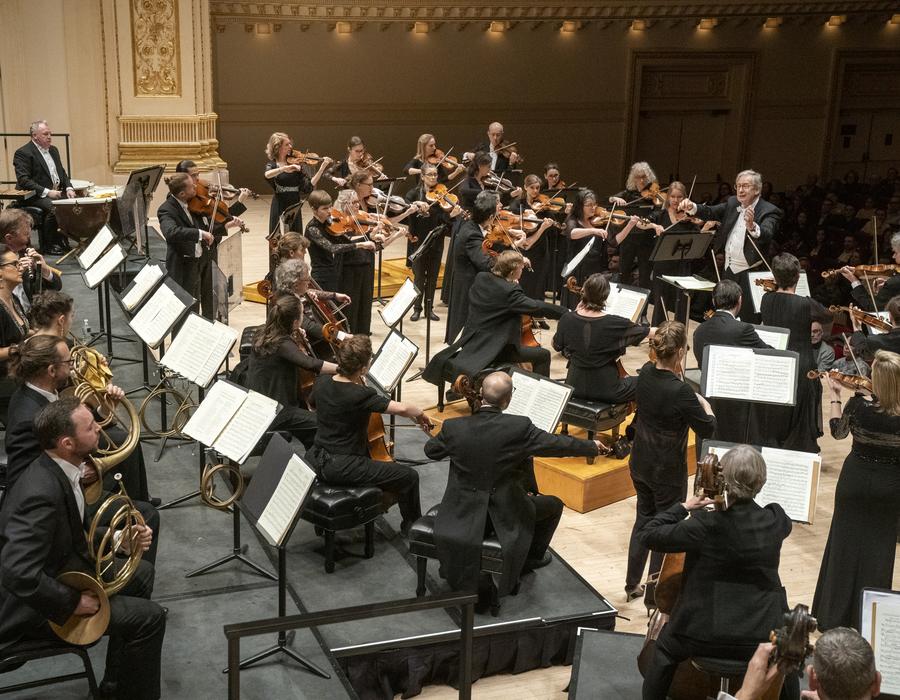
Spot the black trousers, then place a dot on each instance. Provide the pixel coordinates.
(538, 357)
(672, 648)
(298, 422)
(547, 512)
(357, 281)
(747, 312)
(205, 281)
(635, 251)
(651, 499)
(48, 233)
(425, 271)
(353, 470)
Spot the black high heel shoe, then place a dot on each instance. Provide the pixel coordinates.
(633, 592)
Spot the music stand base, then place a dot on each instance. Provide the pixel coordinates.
(180, 500)
(237, 552)
(281, 648)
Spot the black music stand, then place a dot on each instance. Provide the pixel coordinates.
(682, 248)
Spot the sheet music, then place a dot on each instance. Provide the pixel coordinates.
(774, 339)
(157, 316)
(757, 292)
(774, 378)
(541, 400)
(884, 316)
(792, 480)
(222, 339)
(625, 302)
(218, 407)
(95, 248)
(727, 375)
(199, 349)
(286, 501)
(742, 373)
(880, 626)
(576, 261)
(392, 360)
(143, 282)
(400, 303)
(105, 265)
(690, 283)
(246, 427)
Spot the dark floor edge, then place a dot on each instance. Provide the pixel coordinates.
(206, 592)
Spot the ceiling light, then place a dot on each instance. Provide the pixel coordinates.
(836, 20)
(707, 23)
(344, 27)
(773, 22)
(421, 27)
(569, 26)
(498, 26)
(638, 25)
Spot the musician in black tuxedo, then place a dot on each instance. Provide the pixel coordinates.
(15, 233)
(39, 169)
(748, 224)
(493, 331)
(189, 239)
(867, 344)
(468, 260)
(724, 328)
(731, 595)
(42, 534)
(883, 289)
(495, 490)
(501, 160)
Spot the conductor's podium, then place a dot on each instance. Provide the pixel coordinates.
(582, 487)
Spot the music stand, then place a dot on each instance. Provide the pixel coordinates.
(134, 203)
(683, 248)
(432, 238)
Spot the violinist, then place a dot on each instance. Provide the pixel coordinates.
(534, 281)
(552, 179)
(796, 427)
(326, 251)
(373, 201)
(288, 180)
(635, 199)
(553, 183)
(469, 258)
(503, 156)
(344, 406)
(748, 224)
(428, 152)
(358, 160)
(476, 174)
(731, 593)
(187, 234)
(867, 344)
(427, 266)
(883, 288)
(666, 409)
(493, 330)
(236, 208)
(276, 359)
(593, 342)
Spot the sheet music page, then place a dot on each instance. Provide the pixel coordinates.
(398, 305)
(773, 378)
(756, 292)
(728, 372)
(105, 265)
(524, 389)
(189, 349)
(884, 316)
(213, 414)
(221, 339)
(880, 626)
(155, 318)
(774, 339)
(576, 261)
(392, 360)
(286, 501)
(690, 283)
(625, 302)
(143, 283)
(96, 247)
(246, 426)
(540, 400)
(791, 481)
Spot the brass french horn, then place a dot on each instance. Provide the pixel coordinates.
(181, 406)
(208, 485)
(110, 575)
(90, 377)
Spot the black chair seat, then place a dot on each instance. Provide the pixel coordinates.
(593, 415)
(332, 508)
(22, 652)
(721, 668)
(247, 341)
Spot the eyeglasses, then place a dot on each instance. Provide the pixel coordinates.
(11, 262)
(70, 362)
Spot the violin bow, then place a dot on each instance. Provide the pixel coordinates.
(852, 355)
(875, 237)
(715, 264)
(690, 192)
(446, 153)
(871, 293)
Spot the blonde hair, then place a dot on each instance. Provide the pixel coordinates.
(886, 381)
(669, 338)
(276, 141)
(506, 263)
(420, 145)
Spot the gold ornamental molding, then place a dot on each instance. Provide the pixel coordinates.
(149, 140)
(583, 12)
(154, 41)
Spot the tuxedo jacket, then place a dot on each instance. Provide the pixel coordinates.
(731, 591)
(725, 329)
(32, 172)
(41, 535)
(22, 446)
(182, 232)
(766, 215)
(888, 291)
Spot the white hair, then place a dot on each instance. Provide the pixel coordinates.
(34, 126)
(755, 178)
(639, 168)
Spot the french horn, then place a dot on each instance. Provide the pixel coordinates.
(110, 575)
(208, 484)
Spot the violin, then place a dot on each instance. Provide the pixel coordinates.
(864, 271)
(768, 285)
(443, 197)
(864, 317)
(340, 224)
(655, 194)
(510, 148)
(527, 221)
(602, 217)
(205, 204)
(228, 192)
(442, 160)
(552, 204)
(394, 204)
(367, 162)
(493, 181)
(851, 381)
(296, 157)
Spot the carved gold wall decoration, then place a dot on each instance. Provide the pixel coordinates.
(151, 139)
(154, 39)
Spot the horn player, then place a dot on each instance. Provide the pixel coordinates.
(42, 535)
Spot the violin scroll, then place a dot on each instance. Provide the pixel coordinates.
(792, 640)
(709, 482)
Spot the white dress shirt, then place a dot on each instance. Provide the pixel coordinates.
(52, 397)
(51, 166)
(734, 247)
(73, 476)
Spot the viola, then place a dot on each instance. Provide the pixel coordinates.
(864, 317)
(602, 217)
(340, 224)
(493, 181)
(205, 204)
(394, 204)
(509, 148)
(655, 194)
(851, 381)
(527, 222)
(866, 271)
(296, 157)
(229, 192)
(307, 378)
(441, 159)
(443, 197)
(552, 204)
(367, 162)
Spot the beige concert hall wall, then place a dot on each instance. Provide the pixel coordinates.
(753, 96)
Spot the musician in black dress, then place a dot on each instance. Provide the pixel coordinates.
(534, 281)
(344, 405)
(863, 537)
(14, 326)
(666, 409)
(426, 149)
(555, 187)
(636, 249)
(289, 180)
(427, 265)
(358, 160)
(796, 427)
(276, 361)
(593, 341)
